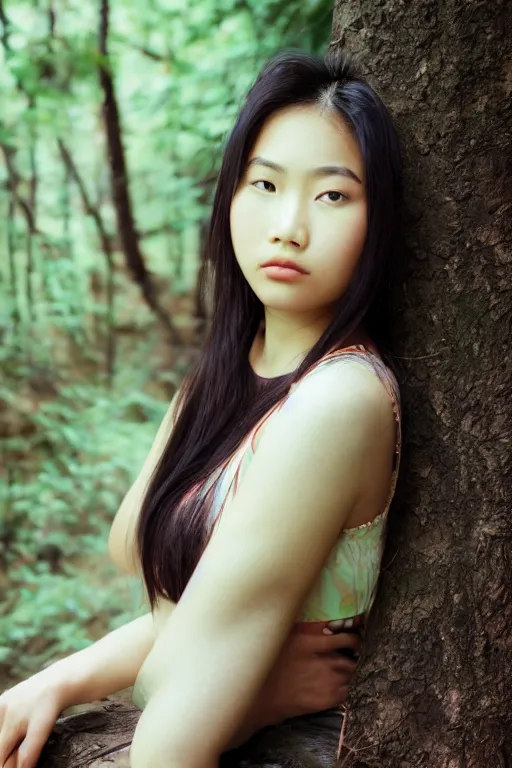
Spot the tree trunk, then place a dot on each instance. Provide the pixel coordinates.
(435, 686)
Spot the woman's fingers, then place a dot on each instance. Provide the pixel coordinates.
(10, 738)
(11, 760)
(342, 641)
(38, 732)
(9, 757)
(341, 661)
(28, 713)
(344, 666)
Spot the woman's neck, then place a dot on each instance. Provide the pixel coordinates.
(284, 362)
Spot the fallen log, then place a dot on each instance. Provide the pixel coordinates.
(95, 738)
(100, 737)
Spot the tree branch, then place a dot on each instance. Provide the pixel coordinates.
(90, 209)
(93, 211)
(151, 54)
(14, 181)
(5, 27)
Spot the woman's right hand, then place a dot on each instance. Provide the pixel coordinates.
(310, 675)
(28, 712)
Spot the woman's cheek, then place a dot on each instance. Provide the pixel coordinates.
(351, 235)
(242, 223)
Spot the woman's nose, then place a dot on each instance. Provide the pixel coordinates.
(290, 227)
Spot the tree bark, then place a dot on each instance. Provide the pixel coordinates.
(96, 738)
(435, 686)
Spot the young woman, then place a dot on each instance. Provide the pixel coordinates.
(259, 518)
(266, 514)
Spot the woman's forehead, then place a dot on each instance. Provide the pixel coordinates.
(304, 137)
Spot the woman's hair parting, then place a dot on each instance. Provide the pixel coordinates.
(219, 401)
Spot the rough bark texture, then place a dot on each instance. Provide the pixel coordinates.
(435, 685)
(99, 737)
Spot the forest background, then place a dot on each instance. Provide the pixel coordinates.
(112, 125)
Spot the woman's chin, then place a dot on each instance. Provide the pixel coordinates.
(284, 297)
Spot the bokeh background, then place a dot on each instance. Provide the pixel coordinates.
(113, 116)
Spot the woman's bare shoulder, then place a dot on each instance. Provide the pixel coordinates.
(341, 383)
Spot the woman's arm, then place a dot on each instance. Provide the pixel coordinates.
(270, 544)
(28, 710)
(108, 665)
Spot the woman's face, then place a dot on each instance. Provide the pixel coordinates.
(302, 197)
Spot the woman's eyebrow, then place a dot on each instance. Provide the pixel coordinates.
(324, 170)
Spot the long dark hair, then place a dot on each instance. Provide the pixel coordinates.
(219, 400)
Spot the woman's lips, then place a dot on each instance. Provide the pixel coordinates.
(283, 273)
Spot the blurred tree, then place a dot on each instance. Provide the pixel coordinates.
(120, 182)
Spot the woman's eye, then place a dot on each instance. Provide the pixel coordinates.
(334, 196)
(338, 199)
(262, 181)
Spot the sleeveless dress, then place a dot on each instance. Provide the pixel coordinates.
(345, 588)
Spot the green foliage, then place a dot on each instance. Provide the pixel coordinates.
(77, 368)
(83, 451)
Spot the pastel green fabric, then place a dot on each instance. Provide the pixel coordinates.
(347, 583)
